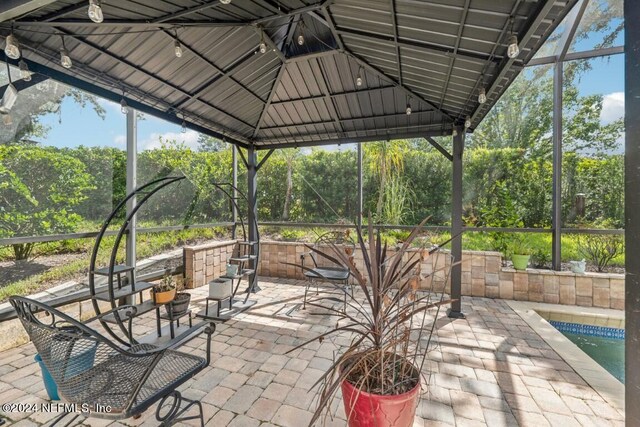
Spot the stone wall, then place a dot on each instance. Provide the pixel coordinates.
(204, 263)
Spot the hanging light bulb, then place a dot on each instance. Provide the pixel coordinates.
(225, 1)
(454, 133)
(300, 39)
(124, 108)
(65, 59)
(184, 127)
(408, 110)
(177, 49)
(11, 48)
(263, 47)
(482, 96)
(25, 74)
(467, 122)
(8, 99)
(7, 119)
(95, 11)
(513, 50)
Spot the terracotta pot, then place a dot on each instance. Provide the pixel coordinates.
(372, 410)
(164, 297)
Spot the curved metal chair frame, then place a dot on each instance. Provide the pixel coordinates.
(325, 270)
(103, 379)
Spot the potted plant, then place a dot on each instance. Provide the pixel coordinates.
(379, 372)
(578, 267)
(165, 291)
(519, 251)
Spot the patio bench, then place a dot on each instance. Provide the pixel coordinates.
(105, 380)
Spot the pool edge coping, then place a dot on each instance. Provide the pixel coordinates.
(598, 378)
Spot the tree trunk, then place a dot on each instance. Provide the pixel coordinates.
(22, 251)
(287, 198)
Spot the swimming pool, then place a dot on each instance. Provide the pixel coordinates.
(603, 344)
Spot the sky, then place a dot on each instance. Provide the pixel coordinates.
(74, 125)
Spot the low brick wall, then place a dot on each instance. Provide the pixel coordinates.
(482, 274)
(204, 263)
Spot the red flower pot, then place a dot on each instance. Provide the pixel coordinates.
(372, 410)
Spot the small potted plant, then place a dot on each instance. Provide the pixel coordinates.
(180, 304)
(379, 372)
(519, 251)
(165, 291)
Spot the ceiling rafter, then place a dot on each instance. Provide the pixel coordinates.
(394, 23)
(507, 63)
(221, 76)
(333, 95)
(347, 120)
(329, 102)
(452, 60)
(263, 113)
(438, 49)
(218, 70)
(187, 11)
(149, 74)
(365, 64)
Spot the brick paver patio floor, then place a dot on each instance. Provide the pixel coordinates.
(489, 369)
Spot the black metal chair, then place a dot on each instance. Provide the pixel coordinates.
(103, 379)
(325, 270)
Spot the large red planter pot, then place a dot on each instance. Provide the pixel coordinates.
(372, 410)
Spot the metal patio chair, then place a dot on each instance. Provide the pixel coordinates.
(325, 270)
(103, 379)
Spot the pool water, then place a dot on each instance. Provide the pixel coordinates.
(603, 344)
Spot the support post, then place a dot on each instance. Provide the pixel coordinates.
(632, 210)
(234, 179)
(455, 312)
(359, 202)
(132, 183)
(556, 214)
(252, 196)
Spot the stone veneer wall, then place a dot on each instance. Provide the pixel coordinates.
(204, 263)
(483, 276)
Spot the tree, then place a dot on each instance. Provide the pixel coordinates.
(290, 156)
(385, 159)
(43, 202)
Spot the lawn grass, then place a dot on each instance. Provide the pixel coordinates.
(148, 244)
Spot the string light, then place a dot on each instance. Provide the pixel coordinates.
(184, 127)
(177, 49)
(95, 11)
(467, 122)
(262, 46)
(359, 77)
(225, 1)
(482, 96)
(408, 110)
(25, 74)
(454, 133)
(300, 36)
(65, 59)
(301, 39)
(11, 48)
(10, 95)
(513, 50)
(124, 108)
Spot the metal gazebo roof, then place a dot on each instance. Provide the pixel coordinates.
(433, 56)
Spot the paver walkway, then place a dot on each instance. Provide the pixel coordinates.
(489, 369)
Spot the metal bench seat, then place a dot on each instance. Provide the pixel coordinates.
(106, 380)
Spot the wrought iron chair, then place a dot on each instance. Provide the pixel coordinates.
(103, 379)
(324, 269)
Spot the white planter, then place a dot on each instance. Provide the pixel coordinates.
(220, 288)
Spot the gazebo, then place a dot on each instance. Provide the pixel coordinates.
(265, 74)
